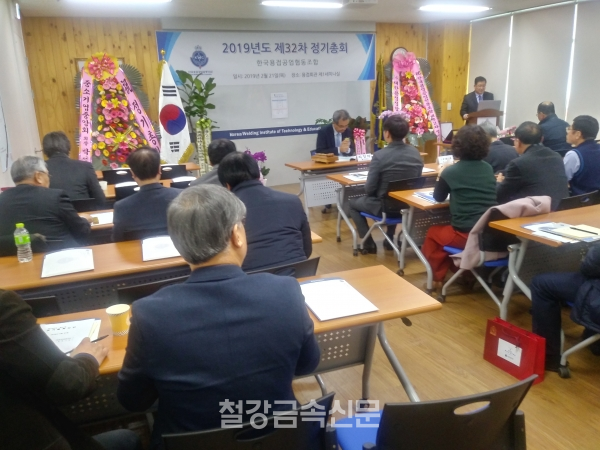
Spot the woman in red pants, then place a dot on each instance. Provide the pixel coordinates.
(472, 188)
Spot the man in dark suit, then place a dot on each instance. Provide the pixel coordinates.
(77, 178)
(396, 161)
(472, 99)
(277, 229)
(221, 338)
(554, 130)
(538, 171)
(217, 150)
(336, 137)
(44, 211)
(500, 154)
(36, 378)
(145, 212)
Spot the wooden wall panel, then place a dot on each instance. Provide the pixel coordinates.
(448, 46)
(53, 46)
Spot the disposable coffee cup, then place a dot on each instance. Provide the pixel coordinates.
(119, 319)
(103, 185)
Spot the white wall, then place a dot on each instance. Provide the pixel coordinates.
(15, 90)
(245, 107)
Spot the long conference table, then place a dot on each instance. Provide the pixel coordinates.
(344, 342)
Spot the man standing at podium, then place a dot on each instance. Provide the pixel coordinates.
(472, 99)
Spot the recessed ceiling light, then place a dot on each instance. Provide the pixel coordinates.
(454, 8)
(294, 4)
(121, 2)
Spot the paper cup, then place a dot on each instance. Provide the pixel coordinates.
(103, 185)
(119, 319)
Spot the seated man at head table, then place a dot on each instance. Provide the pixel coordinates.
(582, 163)
(538, 171)
(217, 150)
(77, 178)
(551, 291)
(36, 378)
(500, 154)
(143, 214)
(396, 161)
(554, 130)
(44, 211)
(471, 100)
(221, 335)
(276, 226)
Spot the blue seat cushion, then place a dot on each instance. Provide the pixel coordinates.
(452, 250)
(388, 220)
(352, 437)
(502, 262)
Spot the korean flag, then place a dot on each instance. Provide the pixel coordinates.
(175, 145)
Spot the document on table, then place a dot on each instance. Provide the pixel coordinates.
(67, 261)
(428, 170)
(357, 176)
(103, 218)
(68, 335)
(160, 247)
(428, 195)
(545, 230)
(346, 158)
(332, 298)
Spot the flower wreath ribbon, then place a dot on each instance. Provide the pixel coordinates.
(359, 141)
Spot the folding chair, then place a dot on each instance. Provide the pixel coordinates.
(390, 212)
(170, 171)
(491, 240)
(123, 190)
(579, 201)
(301, 430)
(441, 424)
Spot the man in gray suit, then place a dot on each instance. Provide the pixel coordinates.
(217, 150)
(397, 161)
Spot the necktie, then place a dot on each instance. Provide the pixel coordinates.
(479, 98)
(338, 139)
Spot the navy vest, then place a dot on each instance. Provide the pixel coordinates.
(587, 178)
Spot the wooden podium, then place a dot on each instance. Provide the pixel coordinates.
(472, 120)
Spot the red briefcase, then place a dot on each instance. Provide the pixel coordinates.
(514, 350)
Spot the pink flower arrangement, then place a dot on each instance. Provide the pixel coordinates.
(406, 62)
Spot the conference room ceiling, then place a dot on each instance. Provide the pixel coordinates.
(400, 11)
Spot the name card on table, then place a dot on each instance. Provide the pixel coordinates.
(445, 160)
(364, 157)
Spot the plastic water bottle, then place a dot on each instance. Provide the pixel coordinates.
(23, 243)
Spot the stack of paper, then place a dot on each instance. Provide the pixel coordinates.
(332, 298)
(346, 158)
(158, 248)
(67, 261)
(68, 335)
(427, 170)
(357, 176)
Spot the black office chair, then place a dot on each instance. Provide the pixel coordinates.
(117, 176)
(302, 269)
(130, 294)
(579, 201)
(310, 434)
(441, 424)
(123, 190)
(85, 204)
(170, 171)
